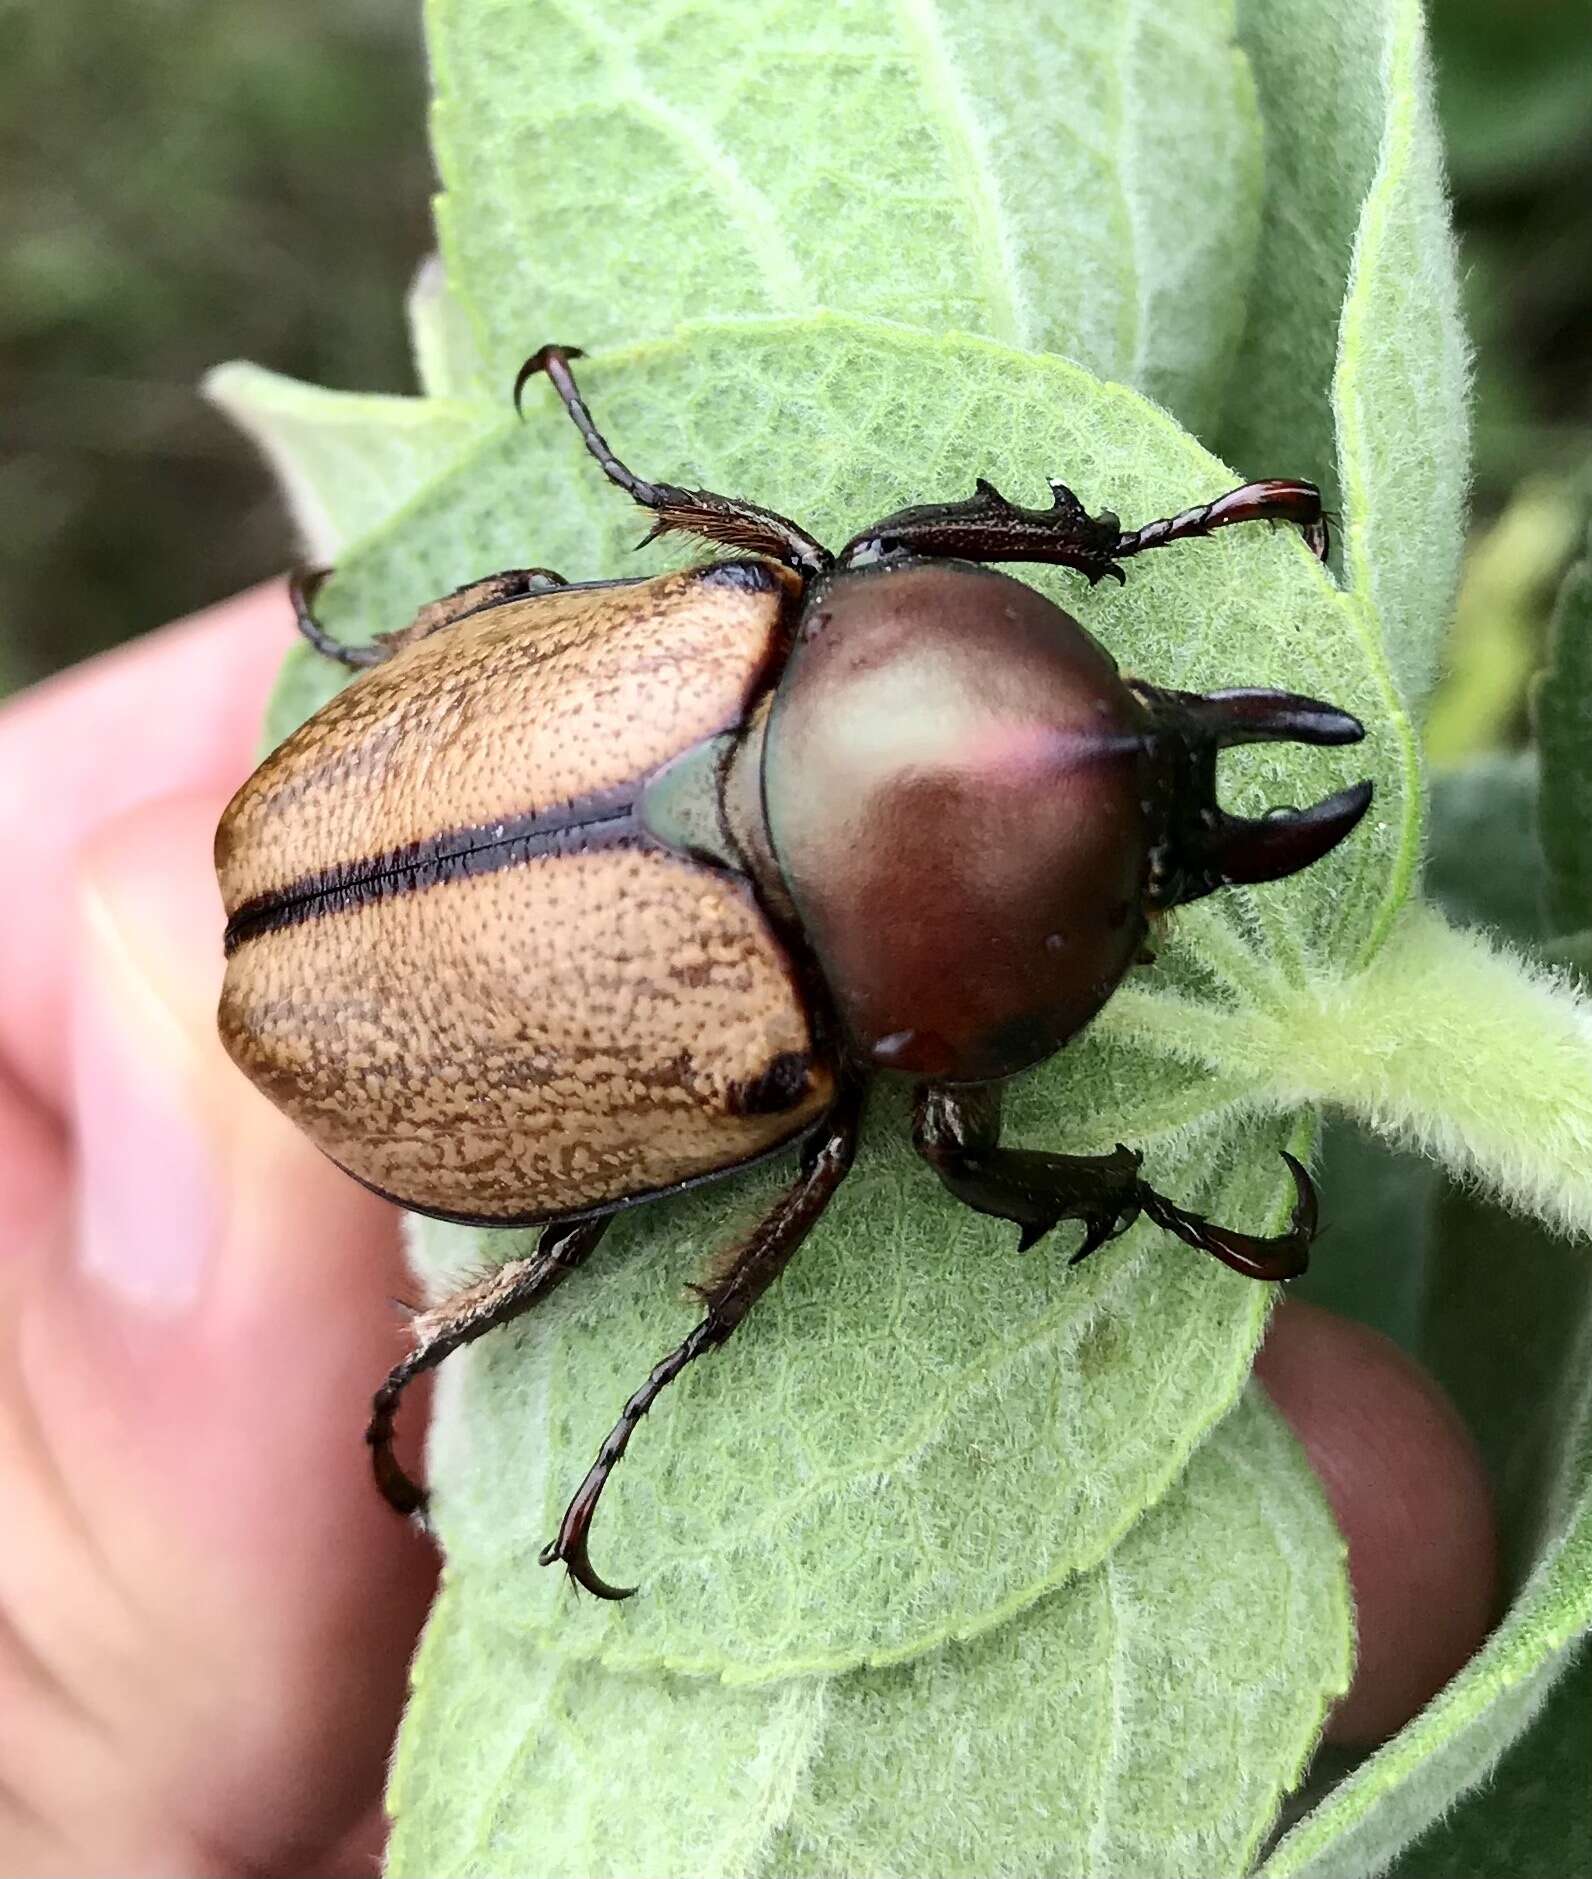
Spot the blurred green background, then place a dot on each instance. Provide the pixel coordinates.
(182, 183)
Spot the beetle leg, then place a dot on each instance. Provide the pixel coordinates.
(460, 1320)
(957, 1131)
(726, 519)
(1276, 500)
(987, 527)
(475, 597)
(303, 584)
(729, 1296)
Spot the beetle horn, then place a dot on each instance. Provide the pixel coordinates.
(1257, 717)
(1203, 847)
(1243, 849)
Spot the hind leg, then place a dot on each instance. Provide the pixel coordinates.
(454, 1322)
(735, 1287)
(474, 597)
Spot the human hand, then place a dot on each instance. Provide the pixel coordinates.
(205, 1609)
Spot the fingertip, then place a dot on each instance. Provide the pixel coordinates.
(175, 712)
(1411, 1495)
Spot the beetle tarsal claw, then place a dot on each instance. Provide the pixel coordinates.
(539, 361)
(576, 1561)
(1285, 1255)
(570, 1548)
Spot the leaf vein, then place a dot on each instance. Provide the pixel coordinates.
(1007, 316)
(1097, 1849)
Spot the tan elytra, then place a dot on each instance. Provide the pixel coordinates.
(459, 963)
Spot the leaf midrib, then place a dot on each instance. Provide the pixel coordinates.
(968, 154)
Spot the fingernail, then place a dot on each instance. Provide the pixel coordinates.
(144, 1057)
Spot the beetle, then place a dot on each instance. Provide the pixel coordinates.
(585, 893)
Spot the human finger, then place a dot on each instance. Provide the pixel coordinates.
(176, 711)
(1408, 1488)
(201, 1561)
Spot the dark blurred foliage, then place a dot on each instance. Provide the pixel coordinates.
(1515, 90)
(185, 181)
(1515, 87)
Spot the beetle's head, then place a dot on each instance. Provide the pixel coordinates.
(1195, 845)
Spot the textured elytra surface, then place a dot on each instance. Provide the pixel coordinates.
(513, 711)
(523, 1043)
(1055, 1744)
(1087, 184)
(521, 1038)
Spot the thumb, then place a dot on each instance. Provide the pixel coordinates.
(199, 1364)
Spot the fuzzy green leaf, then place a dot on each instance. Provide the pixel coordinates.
(1483, 868)
(1353, 367)
(1319, 75)
(1506, 1310)
(1056, 1745)
(1446, 1043)
(514, 1761)
(345, 460)
(1562, 709)
(1048, 1746)
(850, 1526)
(448, 363)
(918, 1438)
(1529, 1819)
(1400, 388)
(1082, 180)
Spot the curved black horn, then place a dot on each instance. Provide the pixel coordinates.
(1203, 847)
(1244, 849)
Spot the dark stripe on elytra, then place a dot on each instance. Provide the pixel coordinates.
(601, 820)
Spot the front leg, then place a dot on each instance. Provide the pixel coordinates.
(988, 527)
(956, 1129)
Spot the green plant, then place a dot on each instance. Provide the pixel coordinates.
(897, 248)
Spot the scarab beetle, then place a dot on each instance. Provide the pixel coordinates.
(587, 892)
